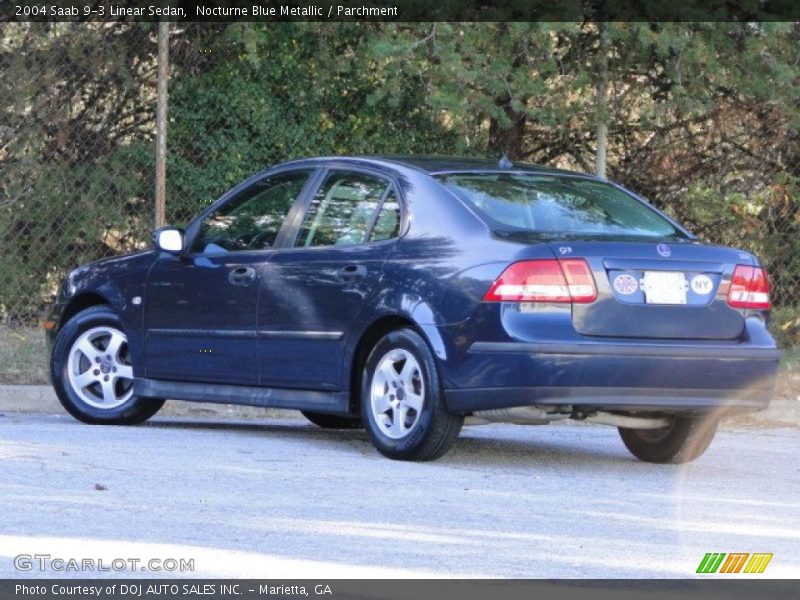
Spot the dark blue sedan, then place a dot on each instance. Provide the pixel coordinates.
(409, 294)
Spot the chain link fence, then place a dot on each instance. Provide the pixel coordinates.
(77, 131)
(76, 160)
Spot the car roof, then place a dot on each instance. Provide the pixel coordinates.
(449, 164)
(434, 165)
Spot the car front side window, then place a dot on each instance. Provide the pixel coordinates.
(251, 220)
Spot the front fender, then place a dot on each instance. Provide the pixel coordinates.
(118, 282)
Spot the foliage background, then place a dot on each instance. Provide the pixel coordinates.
(703, 119)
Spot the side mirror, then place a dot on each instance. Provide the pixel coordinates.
(169, 239)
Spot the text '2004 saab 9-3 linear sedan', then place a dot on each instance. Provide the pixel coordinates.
(407, 294)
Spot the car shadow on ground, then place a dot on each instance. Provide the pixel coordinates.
(510, 445)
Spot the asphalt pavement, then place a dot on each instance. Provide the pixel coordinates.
(281, 498)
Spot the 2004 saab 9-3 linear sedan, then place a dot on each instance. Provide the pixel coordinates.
(407, 294)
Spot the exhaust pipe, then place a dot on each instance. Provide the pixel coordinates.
(627, 421)
(520, 415)
(537, 415)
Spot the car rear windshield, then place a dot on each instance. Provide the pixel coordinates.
(557, 204)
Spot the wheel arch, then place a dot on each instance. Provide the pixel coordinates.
(81, 302)
(370, 336)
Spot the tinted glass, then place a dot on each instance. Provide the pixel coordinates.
(251, 220)
(342, 210)
(557, 204)
(387, 225)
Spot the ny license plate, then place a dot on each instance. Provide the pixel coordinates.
(664, 288)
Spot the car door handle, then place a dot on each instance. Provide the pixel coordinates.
(351, 273)
(242, 276)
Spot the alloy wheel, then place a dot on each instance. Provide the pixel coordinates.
(397, 393)
(99, 368)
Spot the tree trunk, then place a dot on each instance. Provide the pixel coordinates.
(508, 140)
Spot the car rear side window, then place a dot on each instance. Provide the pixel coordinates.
(557, 205)
(387, 225)
(343, 212)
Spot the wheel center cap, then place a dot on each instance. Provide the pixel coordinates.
(401, 393)
(105, 367)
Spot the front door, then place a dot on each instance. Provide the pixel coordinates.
(313, 291)
(201, 307)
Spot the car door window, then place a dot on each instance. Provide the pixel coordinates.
(387, 225)
(252, 219)
(342, 211)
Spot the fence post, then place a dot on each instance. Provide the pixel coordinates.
(601, 108)
(161, 122)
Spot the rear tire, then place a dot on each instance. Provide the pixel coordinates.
(333, 421)
(683, 441)
(402, 402)
(92, 373)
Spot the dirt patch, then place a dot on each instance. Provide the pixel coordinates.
(23, 355)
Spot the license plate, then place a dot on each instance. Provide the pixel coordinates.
(660, 287)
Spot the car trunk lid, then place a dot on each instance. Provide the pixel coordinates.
(675, 290)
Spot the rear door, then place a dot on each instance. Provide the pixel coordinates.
(314, 288)
(664, 290)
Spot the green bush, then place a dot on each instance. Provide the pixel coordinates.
(281, 93)
(785, 326)
(71, 215)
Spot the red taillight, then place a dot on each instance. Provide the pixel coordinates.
(544, 281)
(749, 288)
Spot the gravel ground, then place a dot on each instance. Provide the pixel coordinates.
(280, 498)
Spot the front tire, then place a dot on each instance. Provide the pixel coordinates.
(333, 421)
(92, 372)
(683, 441)
(402, 402)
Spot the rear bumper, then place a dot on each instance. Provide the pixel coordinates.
(631, 376)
